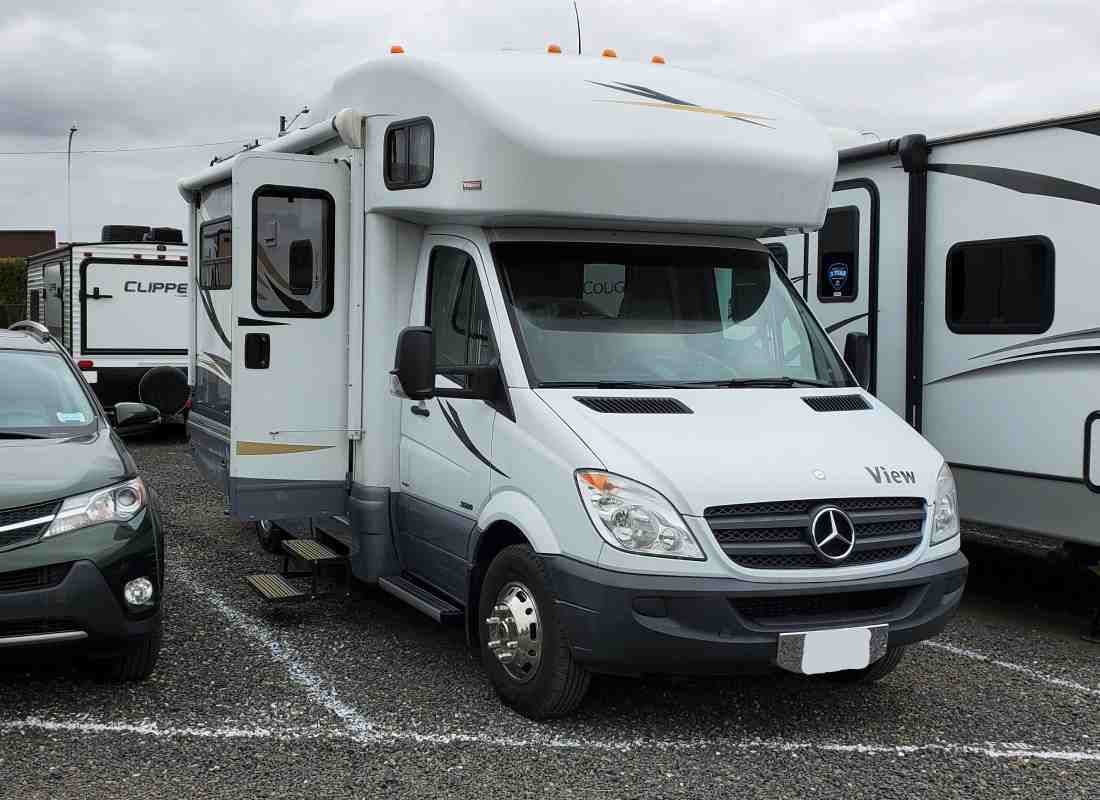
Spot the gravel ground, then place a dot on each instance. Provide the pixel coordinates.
(360, 698)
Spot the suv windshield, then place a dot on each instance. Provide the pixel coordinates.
(629, 314)
(40, 394)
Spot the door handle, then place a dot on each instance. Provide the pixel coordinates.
(421, 411)
(257, 350)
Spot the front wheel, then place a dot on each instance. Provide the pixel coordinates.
(137, 661)
(524, 647)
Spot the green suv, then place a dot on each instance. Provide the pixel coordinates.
(81, 543)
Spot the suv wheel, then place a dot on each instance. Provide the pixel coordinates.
(139, 659)
(524, 647)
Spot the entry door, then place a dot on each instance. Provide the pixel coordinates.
(446, 443)
(288, 429)
(839, 281)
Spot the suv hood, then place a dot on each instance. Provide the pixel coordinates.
(748, 445)
(36, 470)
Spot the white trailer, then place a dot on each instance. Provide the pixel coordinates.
(121, 310)
(615, 438)
(965, 261)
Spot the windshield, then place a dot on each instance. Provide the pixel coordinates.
(40, 394)
(660, 315)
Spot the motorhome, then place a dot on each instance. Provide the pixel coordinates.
(961, 264)
(119, 306)
(500, 325)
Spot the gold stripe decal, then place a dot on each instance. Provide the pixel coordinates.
(755, 119)
(276, 449)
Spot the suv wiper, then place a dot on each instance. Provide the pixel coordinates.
(21, 435)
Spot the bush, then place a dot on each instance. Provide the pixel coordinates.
(13, 282)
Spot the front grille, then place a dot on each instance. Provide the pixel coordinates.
(26, 580)
(846, 606)
(30, 627)
(13, 519)
(634, 405)
(837, 402)
(773, 535)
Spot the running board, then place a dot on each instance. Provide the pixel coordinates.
(419, 598)
(275, 588)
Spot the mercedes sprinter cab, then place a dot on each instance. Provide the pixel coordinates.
(501, 326)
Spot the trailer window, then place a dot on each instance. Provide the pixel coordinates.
(457, 312)
(292, 251)
(838, 256)
(1001, 286)
(215, 257)
(409, 154)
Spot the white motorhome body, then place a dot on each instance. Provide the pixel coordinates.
(120, 309)
(552, 246)
(988, 233)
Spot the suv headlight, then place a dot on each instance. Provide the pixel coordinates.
(634, 518)
(119, 503)
(945, 513)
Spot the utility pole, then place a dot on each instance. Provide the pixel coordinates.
(69, 181)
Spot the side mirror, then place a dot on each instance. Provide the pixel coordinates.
(128, 415)
(414, 364)
(857, 355)
(301, 266)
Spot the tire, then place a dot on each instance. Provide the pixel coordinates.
(557, 684)
(873, 673)
(269, 535)
(138, 660)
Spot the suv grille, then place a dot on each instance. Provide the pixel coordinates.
(26, 580)
(774, 535)
(14, 527)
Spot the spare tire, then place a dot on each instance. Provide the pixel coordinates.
(166, 389)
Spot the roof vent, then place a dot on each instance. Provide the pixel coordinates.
(634, 405)
(837, 402)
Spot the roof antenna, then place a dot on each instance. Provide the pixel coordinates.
(577, 14)
(283, 124)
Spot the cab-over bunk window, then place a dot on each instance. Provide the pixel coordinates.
(409, 154)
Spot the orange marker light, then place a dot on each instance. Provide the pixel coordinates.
(553, 48)
(397, 49)
(609, 53)
(598, 481)
(658, 59)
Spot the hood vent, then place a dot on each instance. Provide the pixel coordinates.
(634, 405)
(837, 402)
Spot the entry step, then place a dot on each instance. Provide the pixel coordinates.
(310, 551)
(275, 588)
(420, 598)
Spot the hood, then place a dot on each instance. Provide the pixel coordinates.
(751, 445)
(36, 470)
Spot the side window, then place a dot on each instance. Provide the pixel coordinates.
(292, 252)
(838, 256)
(780, 254)
(409, 154)
(457, 311)
(215, 255)
(1001, 286)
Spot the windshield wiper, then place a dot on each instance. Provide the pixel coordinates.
(607, 385)
(778, 382)
(21, 435)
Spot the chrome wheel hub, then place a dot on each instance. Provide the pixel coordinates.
(515, 632)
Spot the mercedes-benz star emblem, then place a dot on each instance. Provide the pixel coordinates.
(832, 534)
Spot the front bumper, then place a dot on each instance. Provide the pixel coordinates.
(625, 623)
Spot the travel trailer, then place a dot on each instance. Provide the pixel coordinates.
(501, 326)
(119, 306)
(962, 265)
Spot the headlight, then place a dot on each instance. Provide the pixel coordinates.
(119, 503)
(635, 518)
(945, 514)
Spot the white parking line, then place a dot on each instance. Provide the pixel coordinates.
(84, 725)
(360, 729)
(1035, 674)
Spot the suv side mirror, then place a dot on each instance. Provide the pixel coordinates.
(129, 415)
(414, 364)
(857, 355)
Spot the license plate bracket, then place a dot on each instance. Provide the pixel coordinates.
(832, 650)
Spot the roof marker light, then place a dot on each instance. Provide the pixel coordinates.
(397, 49)
(554, 48)
(609, 53)
(658, 60)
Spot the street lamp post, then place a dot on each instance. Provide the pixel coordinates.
(69, 182)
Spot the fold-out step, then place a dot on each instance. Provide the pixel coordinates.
(311, 551)
(275, 588)
(420, 598)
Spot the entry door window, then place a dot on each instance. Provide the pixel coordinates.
(292, 252)
(838, 256)
(457, 312)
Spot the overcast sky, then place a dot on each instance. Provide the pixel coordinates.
(144, 73)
